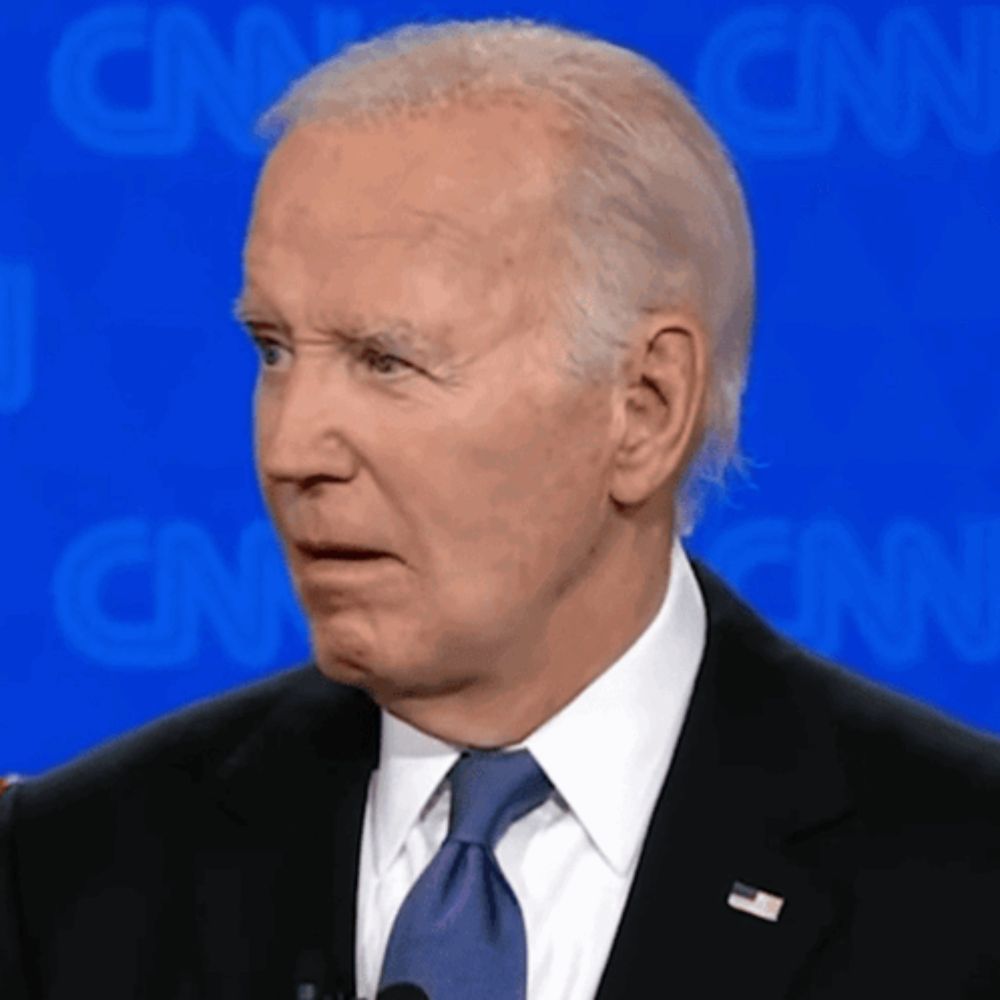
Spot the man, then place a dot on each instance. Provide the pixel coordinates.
(500, 278)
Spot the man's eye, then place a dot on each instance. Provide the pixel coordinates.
(263, 346)
(374, 360)
(383, 364)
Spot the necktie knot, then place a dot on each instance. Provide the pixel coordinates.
(490, 790)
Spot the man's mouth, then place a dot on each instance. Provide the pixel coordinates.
(348, 552)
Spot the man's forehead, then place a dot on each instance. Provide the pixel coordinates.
(346, 211)
(435, 247)
(457, 171)
(411, 223)
(430, 250)
(325, 235)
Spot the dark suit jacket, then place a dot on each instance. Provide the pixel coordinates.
(213, 853)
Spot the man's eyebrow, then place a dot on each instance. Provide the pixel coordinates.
(385, 332)
(391, 333)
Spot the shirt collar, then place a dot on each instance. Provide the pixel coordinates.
(412, 766)
(611, 783)
(607, 751)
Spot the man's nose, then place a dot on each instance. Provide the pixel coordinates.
(302, 430)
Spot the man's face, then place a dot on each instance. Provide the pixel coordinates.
(454, 444)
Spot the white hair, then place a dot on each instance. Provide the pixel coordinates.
(651, 214)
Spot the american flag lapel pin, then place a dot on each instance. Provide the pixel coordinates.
(756, 902)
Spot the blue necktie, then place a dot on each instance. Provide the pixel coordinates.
(459, 933)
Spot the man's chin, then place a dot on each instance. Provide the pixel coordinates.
(368, 672)
(342, 671)
(345, 648)
(387, 685)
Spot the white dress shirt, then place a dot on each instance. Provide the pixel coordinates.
(571, 861)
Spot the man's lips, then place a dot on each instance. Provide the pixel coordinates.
(337, 550)
(321, 566)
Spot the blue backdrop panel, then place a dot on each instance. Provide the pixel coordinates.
(139, 570)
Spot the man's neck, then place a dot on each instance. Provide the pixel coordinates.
(598, 620)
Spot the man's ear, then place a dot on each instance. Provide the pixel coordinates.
(663, 407)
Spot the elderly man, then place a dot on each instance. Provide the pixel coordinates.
(500, 278)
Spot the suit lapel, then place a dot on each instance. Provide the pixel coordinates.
(755, 794)
(277, 859)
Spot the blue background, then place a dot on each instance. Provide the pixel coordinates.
(139, 571)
